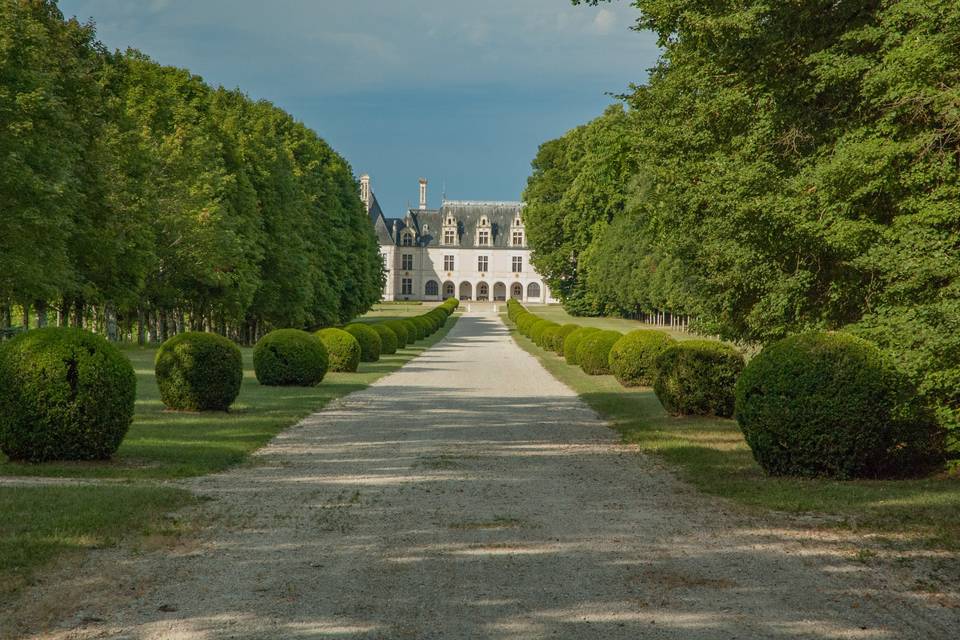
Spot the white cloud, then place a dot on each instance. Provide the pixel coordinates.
(604, 22)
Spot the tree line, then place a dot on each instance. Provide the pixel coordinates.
(140, 201)
(786, 167)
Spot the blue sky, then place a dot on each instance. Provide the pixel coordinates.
(459, 92)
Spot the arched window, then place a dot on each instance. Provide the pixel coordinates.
(533, 291)
(432, 288)
(483, 291)
(407, 240)
(516, 291)
(449, 290)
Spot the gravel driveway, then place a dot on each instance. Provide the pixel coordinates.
(471, 495)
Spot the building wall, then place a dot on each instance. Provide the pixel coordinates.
(428, 264)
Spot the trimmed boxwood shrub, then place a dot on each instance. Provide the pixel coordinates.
(414, 330)
(561, 336)
(524, 320)
(546, 338)
(369, 339)
(289, 358)
(343, 350)
(572, 343)
(199, 372)
(833, 405)
(541, 337)
(594, 352)
(389, 343)
(423, 326)
(633, 360)
(65, 394)
(535, 329)
(401, 331)
(698, 377)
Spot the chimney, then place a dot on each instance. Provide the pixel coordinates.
(365, 191)
(423, 194)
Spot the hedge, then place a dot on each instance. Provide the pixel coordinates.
(593, 354)
(547, 337)
(400, 329)
(536, 329)
(389, 342)
(572, 343)
(342, 348)
(65, 394)
(633, 360)
(414, 331)
(561, 336)
(698, 377)
(199, 372)
(289, 358)
(369, 339)
(832, 405)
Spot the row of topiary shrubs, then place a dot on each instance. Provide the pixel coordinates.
(695, 377)
(813, 405)
(68, 394)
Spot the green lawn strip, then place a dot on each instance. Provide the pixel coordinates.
(711, 454)
(41, 523)
(556, 313)
(164, 445)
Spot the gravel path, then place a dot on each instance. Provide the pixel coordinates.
(471, 495)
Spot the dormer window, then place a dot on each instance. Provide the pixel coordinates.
(517, 238)
(449, 236)
(483, 238)
(407, 239)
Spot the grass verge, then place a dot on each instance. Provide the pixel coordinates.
(711, 454)
(43, 522)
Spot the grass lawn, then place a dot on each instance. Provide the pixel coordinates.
(711, 454)
(556, 313)
(38, 523)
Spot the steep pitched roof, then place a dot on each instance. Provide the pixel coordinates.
(428, 224)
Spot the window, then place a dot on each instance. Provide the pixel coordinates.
(516, 291)
(448, 263)
(432, 289)
(449, 290)
(484, 239)
(518, 238)
(517, 264)
(482, 263)
(533, 291)
(406, 262)
(408, 239)
(406, 287)
(449, 236)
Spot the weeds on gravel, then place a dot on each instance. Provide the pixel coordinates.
(711, 454)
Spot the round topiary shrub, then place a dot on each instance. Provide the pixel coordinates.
(289, 358)
(535, 330)
(369, 339)
(561, 336)
(389, 343)
(402, 332)
(593, 354)
(412, 330)
(633, 360)
(65, 394)
(832, 405)
(546, 338)
(343, 350)
(524, 320)
(572, 343)
(424, 330)
(199, 372)
(698, 377)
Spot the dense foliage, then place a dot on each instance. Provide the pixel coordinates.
(65, 394)
(787, 166)
(698, 377)
(140, 201)
(593, 354)
(399, 329)
(199, 372)
(828, 404)
(389, 343)
(571, 345)
(368, 339)
(633, 359)
(290, 357)
(343, 350)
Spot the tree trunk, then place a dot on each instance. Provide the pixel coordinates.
(26, 314)
(78, 312)
(164, 328)
(41, 306)
(140, 329)
(6, 316)
(152, 323)
(110, 320)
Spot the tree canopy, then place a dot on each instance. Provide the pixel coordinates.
(134, 190)
(790, 166)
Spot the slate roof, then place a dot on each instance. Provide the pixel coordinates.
(428, 224)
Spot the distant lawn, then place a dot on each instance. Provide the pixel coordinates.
(556, 313)
(40, 523)
(162, 444)
(711, 454)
